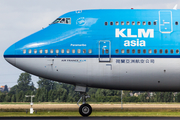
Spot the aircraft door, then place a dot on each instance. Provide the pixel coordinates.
(165, 22)
(104, 51)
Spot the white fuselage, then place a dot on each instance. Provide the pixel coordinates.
(155, 74)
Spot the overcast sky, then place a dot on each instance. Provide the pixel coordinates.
(20, 18)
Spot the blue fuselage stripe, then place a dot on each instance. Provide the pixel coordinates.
(91, 56)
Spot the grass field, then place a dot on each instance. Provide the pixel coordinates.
(108, 109)
(95, 113)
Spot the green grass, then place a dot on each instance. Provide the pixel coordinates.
(96, 112)
(127, 114)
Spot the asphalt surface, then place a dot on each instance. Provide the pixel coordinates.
(89, 118)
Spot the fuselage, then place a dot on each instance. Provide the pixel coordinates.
(113, 49)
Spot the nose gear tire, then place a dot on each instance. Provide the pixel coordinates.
(85, 110)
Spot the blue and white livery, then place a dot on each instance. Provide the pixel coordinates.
(113, 49)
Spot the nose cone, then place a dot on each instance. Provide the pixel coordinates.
(9, 55)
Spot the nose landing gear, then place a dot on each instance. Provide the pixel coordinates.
(85, 109)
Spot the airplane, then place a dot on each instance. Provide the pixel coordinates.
(120, 49)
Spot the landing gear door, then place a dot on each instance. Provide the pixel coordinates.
(165, 22)
(104, 51)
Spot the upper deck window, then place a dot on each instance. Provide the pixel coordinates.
(62, 20)
(122, 23)
(111, 23)
(149, 23)
(155, 23)
(133, 23)
(176, 23)
(117, 23)
(144, 23)
(138, 23)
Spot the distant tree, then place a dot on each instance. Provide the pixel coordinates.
(45, 83)
(20, 97)
(2, 97)
(49, 96)
(13, 99)
(131, 99)
(7, 99)
(25, 83)
(13, 90)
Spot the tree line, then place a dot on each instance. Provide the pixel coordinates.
(50, 91)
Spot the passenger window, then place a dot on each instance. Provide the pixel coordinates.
(177, 51)
(111, 23)
(122, 23)
(144, 51)
(79, 51)
(133, 51)
(144, 23)
(149, 23)
(155, 23)
(150, 51)
(40, 51)
(155, 51)
(46, 51)
(35, 51)
(172, 51)
(127, 23)
(166, 51)
(24, 51)
(90, 51)
(68, 51)
(117, 23)
(139, 51)
(84, 51)
(57, 51)
(107, 51)
(133, 23)
(51, 51)
(117, 51)
(106, 23)
(68, 20)
(160, 51)
(122, 51)
(128, 51)
(62, 50)
(73, 50)
(138, 23)
(30, 51)
(176, 23)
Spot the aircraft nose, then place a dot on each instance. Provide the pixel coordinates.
(9, 55)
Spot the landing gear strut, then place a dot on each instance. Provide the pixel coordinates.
(85, 109)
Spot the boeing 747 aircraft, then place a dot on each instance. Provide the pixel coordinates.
(117, 49)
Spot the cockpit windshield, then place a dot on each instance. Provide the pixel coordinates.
(62, 20)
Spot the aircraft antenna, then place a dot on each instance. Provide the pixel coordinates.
(175, 7)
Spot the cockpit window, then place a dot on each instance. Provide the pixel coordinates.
(68, 20)
(62, 20)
